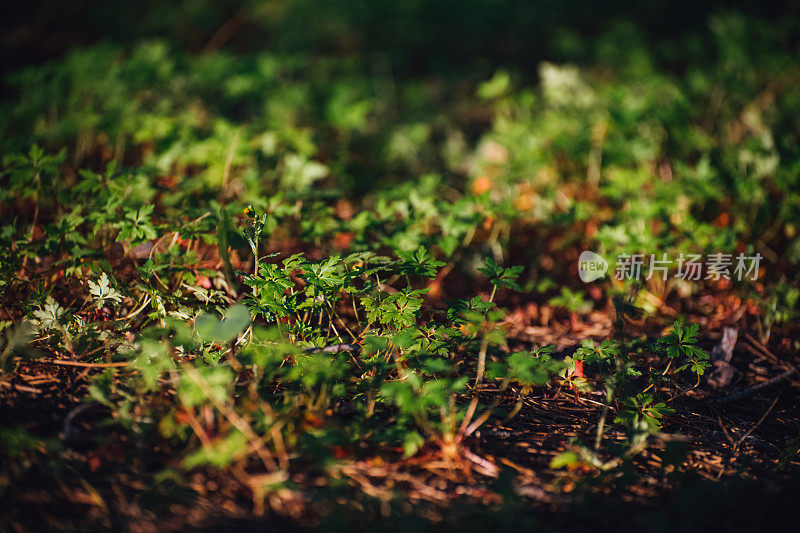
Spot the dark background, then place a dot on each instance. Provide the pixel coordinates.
(417, 36)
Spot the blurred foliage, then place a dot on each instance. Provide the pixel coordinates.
(654, 142)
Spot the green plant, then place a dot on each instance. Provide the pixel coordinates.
(260, 259)
(680, 345)
(643, 410)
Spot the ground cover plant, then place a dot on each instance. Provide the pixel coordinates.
(254, 274)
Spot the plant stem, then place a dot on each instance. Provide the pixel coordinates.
(481, 360)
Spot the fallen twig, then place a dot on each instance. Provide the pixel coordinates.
(64, 362)
(755, 388)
